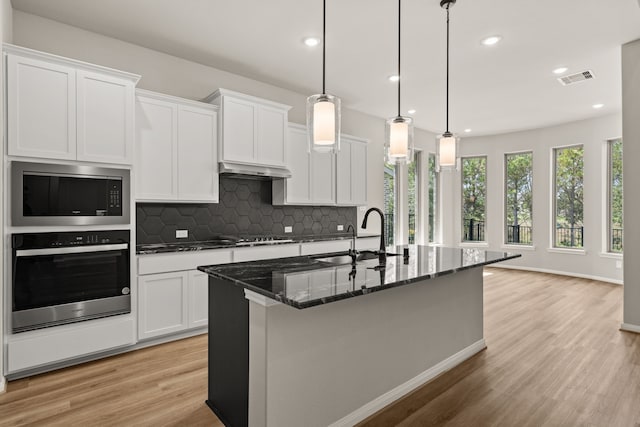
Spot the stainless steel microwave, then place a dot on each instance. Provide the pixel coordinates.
(52, 194)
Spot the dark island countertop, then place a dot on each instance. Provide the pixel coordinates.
(307, 281)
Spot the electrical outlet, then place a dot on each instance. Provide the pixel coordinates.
(618, 264)
(288, 229)
(340, 227)
(182, 234)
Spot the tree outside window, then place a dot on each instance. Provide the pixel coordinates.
(389, 201)
(412, 174)
(569, 197)
(615, 196)
(432, 197)
(474, 196)
(519, 198)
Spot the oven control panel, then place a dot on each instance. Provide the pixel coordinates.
(68, 239)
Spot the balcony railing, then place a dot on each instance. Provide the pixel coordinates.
(473, 230)
(616, 239)
(570, 237)
(519, 234)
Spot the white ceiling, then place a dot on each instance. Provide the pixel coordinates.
(493, 89)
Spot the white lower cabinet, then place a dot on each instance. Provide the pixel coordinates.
(198, 299)
(173, 296)
(164, 300)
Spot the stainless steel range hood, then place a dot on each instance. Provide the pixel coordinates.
(241, 170)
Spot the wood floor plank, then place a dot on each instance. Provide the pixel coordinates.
(555, 357)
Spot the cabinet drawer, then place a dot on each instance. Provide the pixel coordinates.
(312, 248)
(172, 261)
(265, 252)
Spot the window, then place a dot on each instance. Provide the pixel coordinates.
(413, 176)
(568, 190)
(518, 198)
(389, 200)
(474, 196)
(615, 195)
(432, 197)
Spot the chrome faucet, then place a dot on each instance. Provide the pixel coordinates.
(383, 253)
(352, 251)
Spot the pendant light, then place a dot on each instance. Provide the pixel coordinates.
(399, 130)
(323, 110)
(447, 144)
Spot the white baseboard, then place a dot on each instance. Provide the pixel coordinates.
(391, 396)
(630, 328)
(560, 273)
(3, 384)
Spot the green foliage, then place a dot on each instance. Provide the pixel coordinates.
(389, 198)
(569, 186)
(412, 173)
(474, 188)
(519, 188)
(616, 183)
(433, 185)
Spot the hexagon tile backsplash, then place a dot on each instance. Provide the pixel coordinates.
(245, 210)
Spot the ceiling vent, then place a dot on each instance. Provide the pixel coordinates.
(576, 78)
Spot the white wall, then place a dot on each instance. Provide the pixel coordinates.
(593, 134)
(6, 24)
(631, 135)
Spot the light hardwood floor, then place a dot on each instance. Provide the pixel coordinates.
(555, 357)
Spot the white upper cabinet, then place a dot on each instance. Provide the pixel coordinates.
(176, 149)
(351, 182)
(252, 130)
(58, 108)
(105, 118)
(322, 178)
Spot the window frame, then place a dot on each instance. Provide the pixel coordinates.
(505, 201)
(486, 196)
(554, 199)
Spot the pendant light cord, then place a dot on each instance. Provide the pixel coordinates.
(399, 35)
(324, 49)
(449, 5)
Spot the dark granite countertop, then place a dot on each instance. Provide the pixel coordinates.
(156, 248)
(307, 281)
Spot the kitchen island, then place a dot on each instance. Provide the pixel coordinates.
(312, 340)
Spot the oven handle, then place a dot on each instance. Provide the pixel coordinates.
(71, 250)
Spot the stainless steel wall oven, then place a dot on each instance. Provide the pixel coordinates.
(68, 277)
(52, 194)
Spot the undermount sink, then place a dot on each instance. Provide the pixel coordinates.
(346, 259)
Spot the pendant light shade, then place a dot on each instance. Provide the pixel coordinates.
(447, 144)
(323, 110)
(323, 123)
(399, 146)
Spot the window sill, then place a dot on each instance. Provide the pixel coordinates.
(519, 247)
(612, 255)
(474, 244)
(567, 251)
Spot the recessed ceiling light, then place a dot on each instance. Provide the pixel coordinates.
(412, 111)
(560, 70)
(467, 130)
(597, 106)
(394, 78)
(490, 41)
(311, 41)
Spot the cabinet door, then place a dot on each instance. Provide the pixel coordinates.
(197, 156)
(358, 174)
(323, 188)
(272, 125)
(156, 149)
(41, 109)
(299, 163)
(343, 173)
(163, 304)
(238, 130)
(198, 299)
(105, 118)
